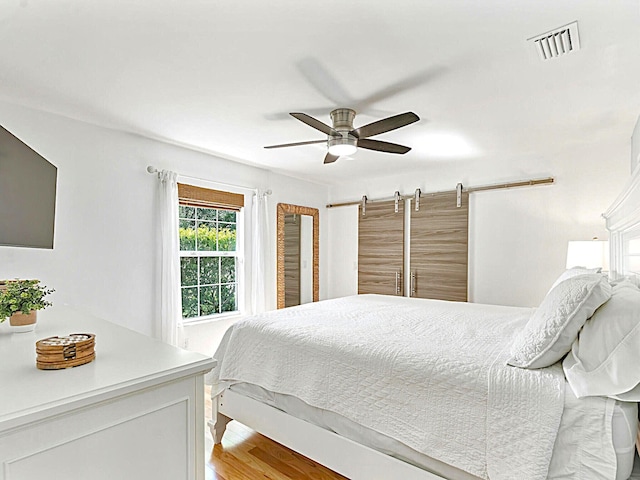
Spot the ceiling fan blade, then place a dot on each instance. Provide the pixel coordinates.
(296, 144)
(309, 111)
(385, 125)
(400, 86)
(330, 158)
(323, 81)
(382, 146)
(317, 124)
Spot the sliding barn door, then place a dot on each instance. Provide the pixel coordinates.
(381, 248)
(439, 247)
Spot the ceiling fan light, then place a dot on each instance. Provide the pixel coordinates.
(340, 150)
(340, 146)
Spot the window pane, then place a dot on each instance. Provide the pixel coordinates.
(208, 284)
(209, 300)
(209, 271)
(228, 298)
(187, 212)
(227, 237)
(189, 302)
(227, 269)
(207, 214)
(207, 236)
(187, 235)
(226, 216)
(188, 271)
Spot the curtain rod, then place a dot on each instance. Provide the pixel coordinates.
(497, 186)
(151, 169)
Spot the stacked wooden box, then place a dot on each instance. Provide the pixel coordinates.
(54, 353)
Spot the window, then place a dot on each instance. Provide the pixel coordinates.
(208, 251)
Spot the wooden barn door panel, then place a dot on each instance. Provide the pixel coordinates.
(439, 247)
(381, 248)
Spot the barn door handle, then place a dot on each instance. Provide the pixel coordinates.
(413, 284)
(398, 283)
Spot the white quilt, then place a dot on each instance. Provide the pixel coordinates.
(401, 366)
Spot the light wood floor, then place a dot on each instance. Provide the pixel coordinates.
(246, 455)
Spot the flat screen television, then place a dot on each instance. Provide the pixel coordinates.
(27, 195)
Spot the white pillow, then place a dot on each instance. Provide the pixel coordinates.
(574, 272)
(605, 359)
(553, 327)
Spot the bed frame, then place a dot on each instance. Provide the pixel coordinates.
(356, 461)
(348, 458)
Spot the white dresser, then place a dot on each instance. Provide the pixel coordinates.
(136, 412)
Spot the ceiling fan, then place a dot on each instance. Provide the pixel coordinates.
(343, 139)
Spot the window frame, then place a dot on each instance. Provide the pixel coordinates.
(238, 254)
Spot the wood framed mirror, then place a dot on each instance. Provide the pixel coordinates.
(297, 254)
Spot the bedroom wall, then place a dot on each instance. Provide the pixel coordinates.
(105, 233)
(517, 237)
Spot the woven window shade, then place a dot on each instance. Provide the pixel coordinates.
(207, 197)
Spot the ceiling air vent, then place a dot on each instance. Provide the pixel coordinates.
(557, 42)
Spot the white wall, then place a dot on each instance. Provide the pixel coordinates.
(105, 239)
(517, 237)
(343, 252)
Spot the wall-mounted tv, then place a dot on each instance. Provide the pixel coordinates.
(27, 195)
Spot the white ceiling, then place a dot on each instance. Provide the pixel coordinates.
(221, 75)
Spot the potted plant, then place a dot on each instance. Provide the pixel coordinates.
(20, 300)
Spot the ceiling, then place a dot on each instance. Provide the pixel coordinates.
(220, 76)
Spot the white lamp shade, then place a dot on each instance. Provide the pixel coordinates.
(588, 254)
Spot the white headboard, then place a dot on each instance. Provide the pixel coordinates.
(623, 222)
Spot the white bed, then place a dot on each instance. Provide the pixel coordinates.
(425, 383)
(623, 420)
(489, 431)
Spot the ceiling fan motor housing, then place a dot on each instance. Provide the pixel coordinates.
(342, 119)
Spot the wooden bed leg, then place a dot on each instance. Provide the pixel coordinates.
(218, 422)
(218, 428)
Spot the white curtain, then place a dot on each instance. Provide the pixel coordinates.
(170, 323)
(260, 252)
